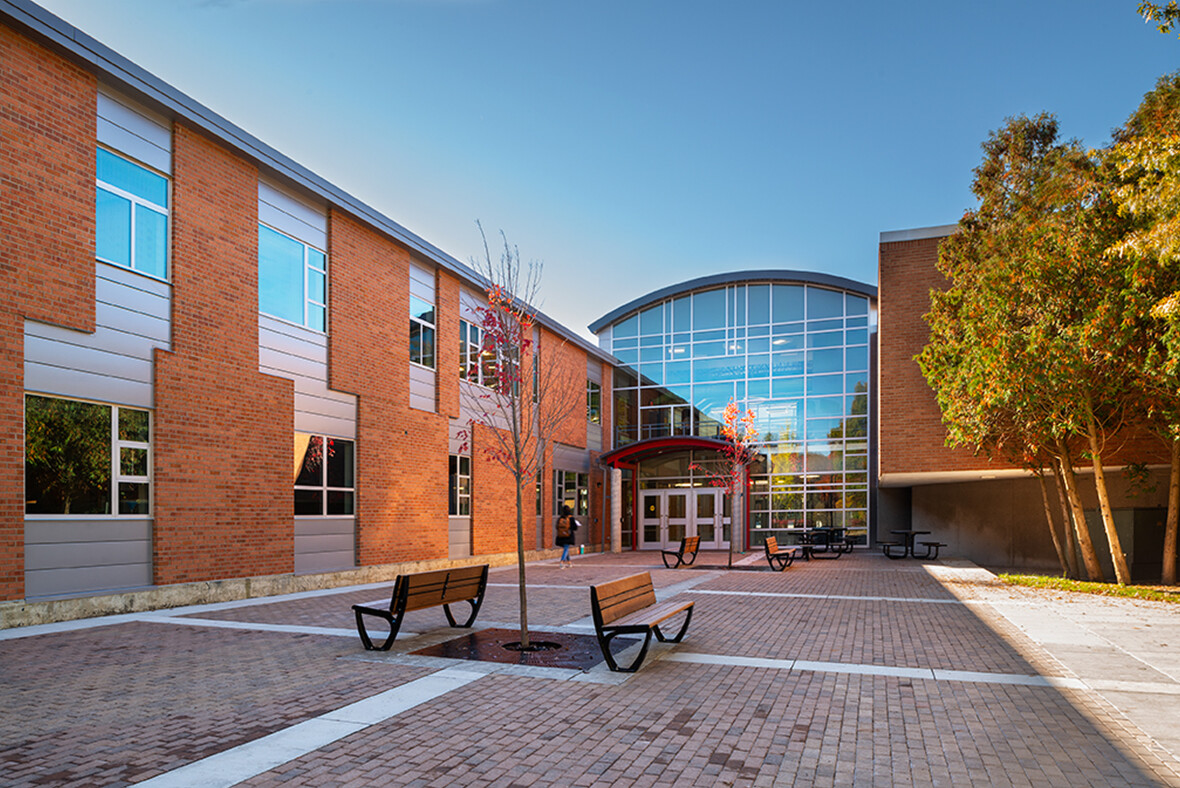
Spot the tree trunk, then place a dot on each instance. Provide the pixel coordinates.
(524, 603)
(1121, 574)
(1085, 545)
(1071, 549)
(1052, 527)
(1169, 570)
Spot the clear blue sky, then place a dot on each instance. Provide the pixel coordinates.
(631, 144)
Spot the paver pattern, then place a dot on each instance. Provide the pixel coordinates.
(114, 705)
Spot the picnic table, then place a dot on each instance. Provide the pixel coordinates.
(905, 540)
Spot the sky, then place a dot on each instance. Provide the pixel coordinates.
(632, 144)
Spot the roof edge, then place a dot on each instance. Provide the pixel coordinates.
(773, 275)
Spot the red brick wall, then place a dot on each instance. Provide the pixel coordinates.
(47, 144)
(493, 501)
(401, 453)
(447, 322)
(912, 437)
(223, 430)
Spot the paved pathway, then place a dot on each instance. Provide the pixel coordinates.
(860, 671)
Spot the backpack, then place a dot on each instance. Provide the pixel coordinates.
(564, 528)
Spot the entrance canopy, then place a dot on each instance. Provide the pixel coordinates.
(627, 456)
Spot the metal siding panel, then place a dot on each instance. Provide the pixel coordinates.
(130, 321)
(276, 362)
(318, 526)
(272, 325)
(594, 437)
(285, 211)
(570, 458)
(317, 424)
(422, 282)
(72, 383)
(96, 361)
(131, 131)
(325, 406)
(292, 226)
(121, 295)
(320, 563)
(86, 580)
(76, 555)
(101, 530)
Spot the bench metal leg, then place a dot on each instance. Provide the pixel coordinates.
(679, 635)
(475, 605)
(604, 643)
(395, 623)
(678, 557)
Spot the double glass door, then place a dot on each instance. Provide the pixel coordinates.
(670, 515)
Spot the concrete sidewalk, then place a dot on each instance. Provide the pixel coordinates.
(860, 671)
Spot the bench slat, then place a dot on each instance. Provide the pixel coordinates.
(626, 595)
(652, 615)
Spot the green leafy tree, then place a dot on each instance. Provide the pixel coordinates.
(1143, 165)
(1017, 356)
(1164, 15)
(67, 456)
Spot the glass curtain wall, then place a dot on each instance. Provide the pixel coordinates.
(797, 355)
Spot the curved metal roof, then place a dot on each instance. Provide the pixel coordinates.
(734, 277)
(624, 455)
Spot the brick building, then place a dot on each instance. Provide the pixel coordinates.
(183, 306)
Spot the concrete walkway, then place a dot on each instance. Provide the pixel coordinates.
(860, 671)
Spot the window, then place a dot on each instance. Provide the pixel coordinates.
(593, 402)
(460, 488)
(131, 215)
(292, 279)
(471, 365)
(86, 458)
(573, 490)
(421, 332)
(324, 475)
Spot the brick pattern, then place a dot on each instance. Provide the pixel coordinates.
(401, 453)
(222, 442)
(47, 150)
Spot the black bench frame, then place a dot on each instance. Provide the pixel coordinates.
(688, 546)
(780, 556)
(423, 590)
(628, 606)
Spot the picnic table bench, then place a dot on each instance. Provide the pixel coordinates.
(686, 554)
(629, 606)
(780, 556)
(422, 590)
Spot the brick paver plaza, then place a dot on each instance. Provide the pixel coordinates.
(861, 671)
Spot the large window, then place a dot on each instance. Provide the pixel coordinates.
(292, 279)
(325, 478)
(131, 215)
(474, 364)
(460, 486)
(571, 489)
(421, 332)
(86, 457)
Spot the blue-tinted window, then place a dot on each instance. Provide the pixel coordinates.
(682, 314)
(651, 320)
(857, 357)
(281, 273)
(422, 333)
(856, 305)
(708, 309)
(131, 216)
(787, 303)
(820, 361)
(823, 303)
(825, 384)
(626, 328)
(758, 303)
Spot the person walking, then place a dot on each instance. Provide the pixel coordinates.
(565, 528)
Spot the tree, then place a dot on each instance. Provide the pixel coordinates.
(737, 451)
(1165, 15)
(513, 416)
(1144, 167)
(1018, 355)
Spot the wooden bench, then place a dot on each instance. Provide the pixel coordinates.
(426, 589)
(685, 555)
(629, 606)
(782, 556)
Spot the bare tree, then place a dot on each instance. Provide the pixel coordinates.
(515, 416)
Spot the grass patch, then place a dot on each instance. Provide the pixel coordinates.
(1153, 593)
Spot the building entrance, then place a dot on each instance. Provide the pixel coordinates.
(670, 515)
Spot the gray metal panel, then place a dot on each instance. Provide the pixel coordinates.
(284, 211)
(87, 359)
(65, 557)
(134, 131)
(422, 282)
(918, 233)
(594, 436)
(459, 537)
(71, 383)
(301, 355)
(422, 388)
(594, 369)
(324, 544)
(570, 458)
(288, 365)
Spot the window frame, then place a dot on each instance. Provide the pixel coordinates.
(458, 500)
(135, 200)
(422, 327)
(324, 487)
(581, 489)
(593, 402)
(116, 477)
(308, 269)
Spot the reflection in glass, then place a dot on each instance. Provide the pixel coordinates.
(67, 456)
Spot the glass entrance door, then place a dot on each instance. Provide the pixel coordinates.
(712, 519)
(670, 515)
